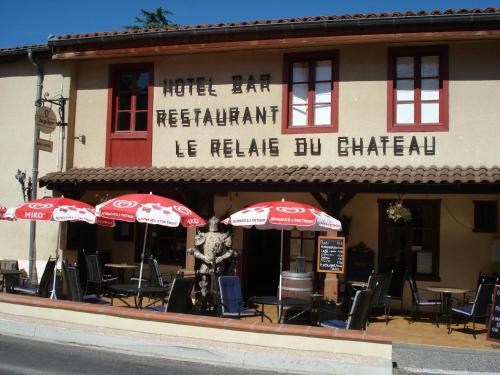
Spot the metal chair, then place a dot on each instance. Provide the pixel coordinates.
(95, 275)
(479, 309)
(75, 293)
(42, 289)
(179, 299)
(417, 302)
(231, 300)
(358, 315)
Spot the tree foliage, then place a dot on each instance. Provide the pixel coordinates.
(152, 20)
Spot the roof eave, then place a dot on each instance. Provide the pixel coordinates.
(452, 21)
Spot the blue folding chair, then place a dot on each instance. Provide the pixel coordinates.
(231, 300)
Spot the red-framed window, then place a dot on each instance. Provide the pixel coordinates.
(130, 114)
(310, 92)
(417, 89)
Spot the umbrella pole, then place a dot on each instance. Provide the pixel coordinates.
(142, 260)
(280, 309)
(53, 293)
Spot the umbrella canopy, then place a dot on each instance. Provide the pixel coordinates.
(4, 215)
(286, 215)
(55, 209)
(149, 209)
(283, 215)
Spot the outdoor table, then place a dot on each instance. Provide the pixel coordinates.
(121, 291)
(273, 300)
(120, 268)
(8, 275)
(446, 292)
(358, 284)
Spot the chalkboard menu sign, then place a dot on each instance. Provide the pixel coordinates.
(493, 333)
(331, 254)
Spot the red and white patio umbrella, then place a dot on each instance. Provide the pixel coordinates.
(3, 214)
(149, 209)
(283, 215)
(55, 209)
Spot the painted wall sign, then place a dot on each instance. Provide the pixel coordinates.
(45, 120)
(257, 116)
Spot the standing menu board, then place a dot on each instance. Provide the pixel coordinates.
(493, 333)
(331, 254)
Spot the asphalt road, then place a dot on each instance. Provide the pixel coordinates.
(420, 359)
(22, 356)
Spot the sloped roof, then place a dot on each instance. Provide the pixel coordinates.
(296, 20)
(275, 174)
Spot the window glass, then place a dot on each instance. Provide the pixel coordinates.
(324, 70)
(300, 92)
(404, 89)
(299, 115)
(322, 114)
(125, 82)
(300, 72)
(405, 113)
(430, 89)
(123, 121)
(429, 66)
(124, 101)
(404, 67)
(141, 121)
(430, 113)
(323, 92)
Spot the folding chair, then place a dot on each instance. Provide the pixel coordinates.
(231, 300)
(358, 315)
(42, 289)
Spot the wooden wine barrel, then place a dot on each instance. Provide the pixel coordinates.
(297, 285)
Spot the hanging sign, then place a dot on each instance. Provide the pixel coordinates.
(331, 254)
(45, 120)
(44, 145)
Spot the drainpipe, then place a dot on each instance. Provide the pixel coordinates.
(34, 172)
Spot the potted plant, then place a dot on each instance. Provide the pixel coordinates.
(397, 212)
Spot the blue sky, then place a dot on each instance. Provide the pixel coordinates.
(27, 22)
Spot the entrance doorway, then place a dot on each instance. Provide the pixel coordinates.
(412, 245)
(263, 262)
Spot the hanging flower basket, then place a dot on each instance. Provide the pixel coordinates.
(397, 212)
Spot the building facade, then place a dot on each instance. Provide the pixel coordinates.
(350, 114)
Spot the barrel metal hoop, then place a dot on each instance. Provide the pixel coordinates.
(292, 289)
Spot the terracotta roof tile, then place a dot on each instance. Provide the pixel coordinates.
(293, 174)
(358, 16)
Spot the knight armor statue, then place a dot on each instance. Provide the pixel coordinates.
(216, 249)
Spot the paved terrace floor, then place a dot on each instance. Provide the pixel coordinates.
(422, 331)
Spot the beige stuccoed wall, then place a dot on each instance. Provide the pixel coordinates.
(472, 140)
(17, 112)
(463, 253)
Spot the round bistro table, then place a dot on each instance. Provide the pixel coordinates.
(122, 291)
(273, 300)
(446, 292)
(120, 268)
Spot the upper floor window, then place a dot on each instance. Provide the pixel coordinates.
(310, 93)
(130, 115)
(418, 89)
(131, 100)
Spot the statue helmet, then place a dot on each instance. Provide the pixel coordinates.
(213, 224)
